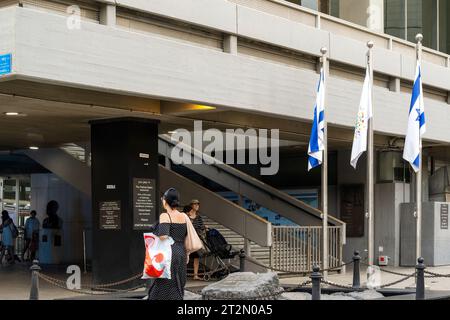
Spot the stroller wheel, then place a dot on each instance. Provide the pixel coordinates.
(206, 277)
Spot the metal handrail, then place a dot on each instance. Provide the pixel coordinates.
(273, 192)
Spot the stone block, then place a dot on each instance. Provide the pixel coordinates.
(244, 286)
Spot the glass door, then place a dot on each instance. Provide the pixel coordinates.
(10, 199)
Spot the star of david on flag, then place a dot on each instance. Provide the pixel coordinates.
(416, 123)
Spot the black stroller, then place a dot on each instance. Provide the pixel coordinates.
(217, 249)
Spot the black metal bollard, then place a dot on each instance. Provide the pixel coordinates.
(34, 291)
(356, 273)
(316, 278)
(242, 260)
(420, 279)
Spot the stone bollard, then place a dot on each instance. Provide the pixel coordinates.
(242, 260)
(34, 291)
(316, 278)
(356, 272)
(420, 279)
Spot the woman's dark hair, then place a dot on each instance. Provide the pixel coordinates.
(5, 215)
(187, 209)
(172, 198)
(33, 212)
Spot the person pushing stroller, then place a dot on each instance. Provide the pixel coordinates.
(192, 210)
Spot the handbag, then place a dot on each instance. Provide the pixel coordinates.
(14, 230)
(192, 242)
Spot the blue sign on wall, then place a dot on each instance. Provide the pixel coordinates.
(5, 63)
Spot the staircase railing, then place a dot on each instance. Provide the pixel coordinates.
(298, 249)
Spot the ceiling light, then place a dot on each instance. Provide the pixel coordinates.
(34, 148)
(11, 113)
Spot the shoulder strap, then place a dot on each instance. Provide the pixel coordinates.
(170, 218)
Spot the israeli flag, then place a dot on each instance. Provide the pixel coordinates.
(365, 113)
(416, 123)
(316, 147)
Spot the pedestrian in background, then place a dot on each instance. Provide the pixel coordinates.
(9, 234)
(197, 221)
(32, 226)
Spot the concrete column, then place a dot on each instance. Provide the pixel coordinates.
(125, 195)
(367, 13)
(108, 15)
(230, 44)
(394, 84)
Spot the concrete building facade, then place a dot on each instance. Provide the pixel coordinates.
(231, 64)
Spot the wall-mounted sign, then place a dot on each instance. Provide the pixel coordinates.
(143, 203)
(352, 209)
(444, 216)
(110, 215)
(5, 64)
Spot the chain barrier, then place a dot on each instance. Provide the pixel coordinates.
(296, 272)
(89, 290)
(209, 273)
(337, 285)
(435, 275)
(388, 271)
(398, 281)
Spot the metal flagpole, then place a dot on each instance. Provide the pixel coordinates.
(370, 168)
(419, 39)
(325, 171)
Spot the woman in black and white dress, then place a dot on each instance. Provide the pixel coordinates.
(171, 223)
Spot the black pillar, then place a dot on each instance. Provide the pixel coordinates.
(125, 195)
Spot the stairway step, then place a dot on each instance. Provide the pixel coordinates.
(259, 253)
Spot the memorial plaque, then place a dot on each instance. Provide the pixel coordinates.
(143, 203)
(352, 209)
(444, 216)
(110, 215)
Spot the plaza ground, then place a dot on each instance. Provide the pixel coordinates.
(15, 281)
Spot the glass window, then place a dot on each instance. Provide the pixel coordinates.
(312, 4)
(444, 26)
(406, 18)
(422, 18)
(318, 5)
(394, 18)
(334, 8)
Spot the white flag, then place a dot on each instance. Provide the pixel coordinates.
(365, 113)
(416, 123)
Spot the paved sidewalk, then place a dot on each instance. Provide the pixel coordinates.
(15, 281)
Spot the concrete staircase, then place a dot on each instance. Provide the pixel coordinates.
(261, 254)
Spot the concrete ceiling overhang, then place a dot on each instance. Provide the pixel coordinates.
(56, 114)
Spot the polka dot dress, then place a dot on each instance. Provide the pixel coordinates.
(172, 289)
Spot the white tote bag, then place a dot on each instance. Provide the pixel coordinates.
(158, 257)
